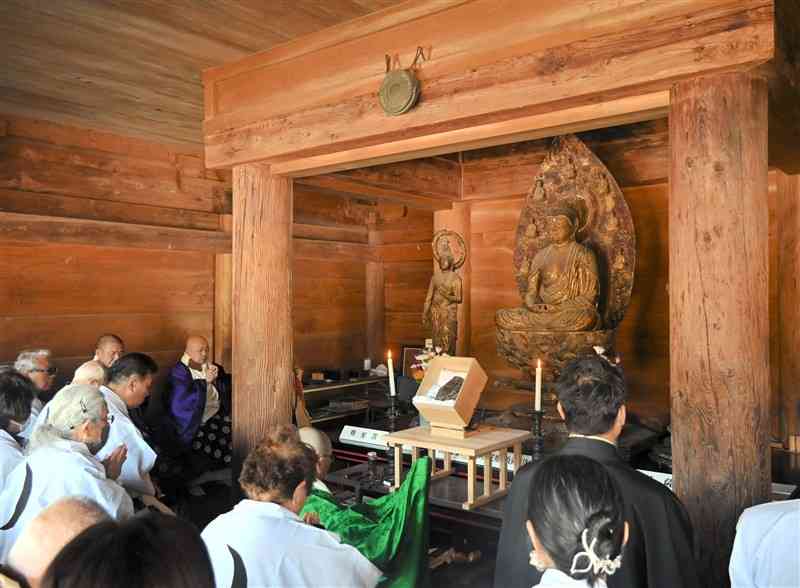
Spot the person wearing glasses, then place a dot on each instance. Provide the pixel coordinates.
(36, 365)
(61, 461)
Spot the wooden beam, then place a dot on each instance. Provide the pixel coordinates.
(345, 185)
(43, 229)
(494, 61)
(435, 177)
(262, 306)
(91, 209)
(547, 124)
(719, 311)
(788, 237)
(223, 311)
(347, 234)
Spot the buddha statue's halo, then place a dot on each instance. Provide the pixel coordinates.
(572, 182)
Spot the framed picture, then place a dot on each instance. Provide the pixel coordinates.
(408, 354)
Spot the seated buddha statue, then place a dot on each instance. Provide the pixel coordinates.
(562, 283)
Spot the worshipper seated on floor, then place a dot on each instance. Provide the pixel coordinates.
(16, 395)
(263, 541)
(389, 531)
(61, 462)
(91, 373)
(591, 399)
(766, 551)
(199, 406)
(149, 551)
(109, 349)
(575, 523)
(49, 532)
(35, 364)
(129, 383)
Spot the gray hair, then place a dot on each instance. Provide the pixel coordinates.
(26, 360)
(90, 370)
(72, 406)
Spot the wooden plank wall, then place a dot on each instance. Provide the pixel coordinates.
(61, 293)
(405, 248)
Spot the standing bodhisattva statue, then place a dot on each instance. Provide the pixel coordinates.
(440, 314)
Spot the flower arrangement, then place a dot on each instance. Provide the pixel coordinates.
(420, 366)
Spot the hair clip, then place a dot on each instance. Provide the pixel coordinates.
(594, 562)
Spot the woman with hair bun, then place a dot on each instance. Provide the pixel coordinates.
(575, 522)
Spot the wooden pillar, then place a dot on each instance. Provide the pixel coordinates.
(263, 388)
(718, 297)
(376, 306)
(223, 310)
(788, 237)
(457, 219)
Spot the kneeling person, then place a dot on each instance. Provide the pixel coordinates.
(200, 406)
(61, 462)
(129, 382)
(276, 478)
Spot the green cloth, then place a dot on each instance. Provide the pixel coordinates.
(391, 531)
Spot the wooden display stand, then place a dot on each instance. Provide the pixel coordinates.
(451, 420)
(481, 443)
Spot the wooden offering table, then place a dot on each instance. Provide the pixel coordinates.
(480, 444)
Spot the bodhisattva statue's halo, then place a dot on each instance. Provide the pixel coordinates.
(447, 241)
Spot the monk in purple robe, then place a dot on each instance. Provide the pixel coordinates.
(200, 405)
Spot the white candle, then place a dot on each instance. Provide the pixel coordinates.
(392, 391)
(367, 364)
(537, 402)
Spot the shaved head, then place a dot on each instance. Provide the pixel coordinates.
(109, 349)
(197, 349)
(51, 530)
(91, 373)
(321, 443)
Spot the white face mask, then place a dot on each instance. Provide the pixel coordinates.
(536, 562)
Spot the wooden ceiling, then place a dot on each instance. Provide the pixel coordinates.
(133, 67)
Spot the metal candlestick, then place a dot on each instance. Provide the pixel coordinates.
(538, 437)
(392, 414)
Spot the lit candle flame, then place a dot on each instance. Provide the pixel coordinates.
(539, 363)
(389, 354)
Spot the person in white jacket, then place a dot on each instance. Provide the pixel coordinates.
(766, 551)
(16, 394)
(263, 542)
(61, 462)
(129, 383)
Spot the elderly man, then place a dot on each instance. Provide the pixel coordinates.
(61, 462)
(109, 349)
(51, 530)
(129, 383)
(91, 373)
(36, 365)
(200, 405)
(16, 394)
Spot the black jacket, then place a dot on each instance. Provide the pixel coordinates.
(659, 553)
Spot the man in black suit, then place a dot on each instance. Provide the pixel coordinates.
(659, 554)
